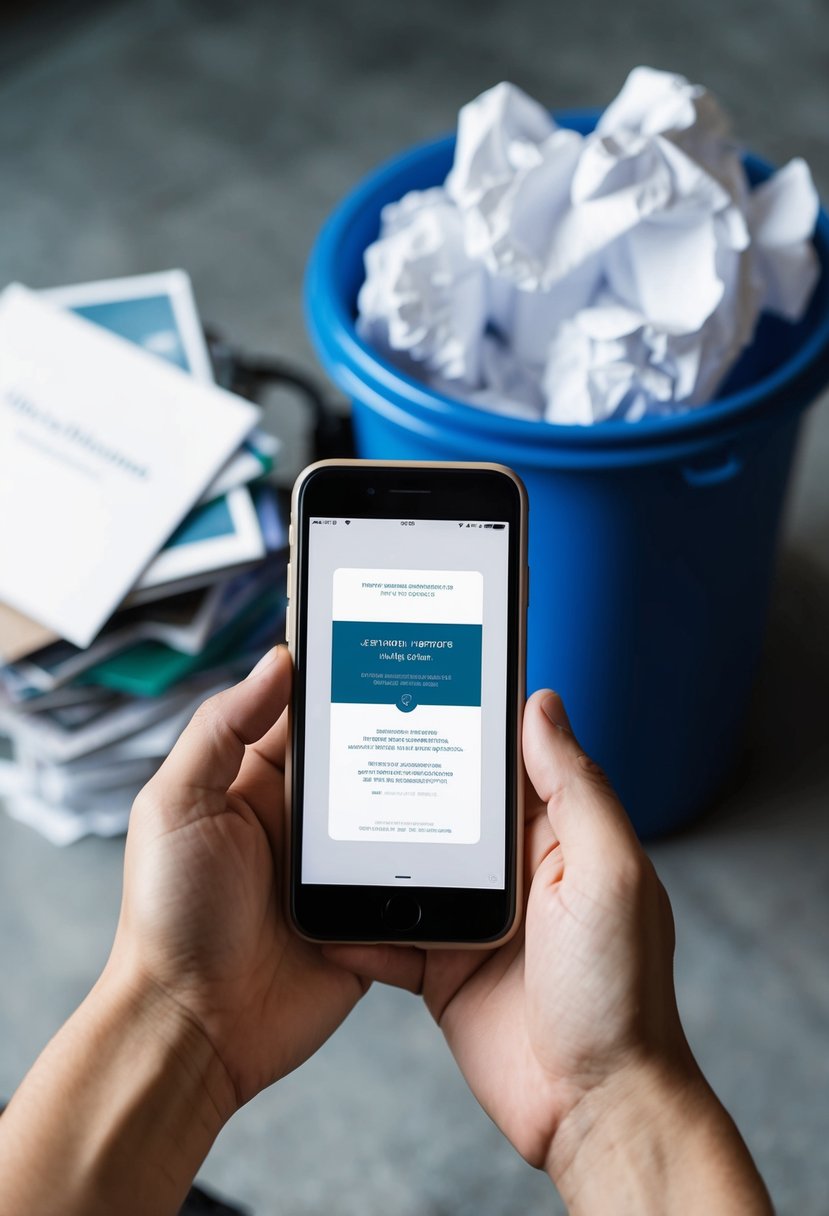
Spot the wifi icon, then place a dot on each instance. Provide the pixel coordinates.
(460, 525)
(348, 521)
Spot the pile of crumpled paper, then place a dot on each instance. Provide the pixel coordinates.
(576, 278)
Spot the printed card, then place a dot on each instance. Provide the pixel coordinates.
(103, 450)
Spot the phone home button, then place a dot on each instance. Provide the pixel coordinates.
(401, 913)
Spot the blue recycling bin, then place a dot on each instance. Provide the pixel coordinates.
(652, 544)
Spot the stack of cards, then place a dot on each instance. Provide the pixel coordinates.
(142, 566)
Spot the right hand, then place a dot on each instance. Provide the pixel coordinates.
(569, 1033)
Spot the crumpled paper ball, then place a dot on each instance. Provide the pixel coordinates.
(577, 278)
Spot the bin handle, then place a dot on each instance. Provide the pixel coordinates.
(713, 475)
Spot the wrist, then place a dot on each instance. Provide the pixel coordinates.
(124, 1104)
(174, 1043)
(175, 1094)
(655, 1138)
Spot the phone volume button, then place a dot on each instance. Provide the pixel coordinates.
(288, 580)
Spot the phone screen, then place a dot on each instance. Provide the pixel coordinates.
(405, 702)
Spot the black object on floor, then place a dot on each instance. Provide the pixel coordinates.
(201, 1203)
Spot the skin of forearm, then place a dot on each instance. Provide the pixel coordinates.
(118, 1112)
(656, 1142)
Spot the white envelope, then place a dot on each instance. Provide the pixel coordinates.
(103, 450)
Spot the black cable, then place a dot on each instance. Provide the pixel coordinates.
(251, 375)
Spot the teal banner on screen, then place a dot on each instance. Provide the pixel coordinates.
(383, 663)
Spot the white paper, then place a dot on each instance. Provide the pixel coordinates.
(70, 784)
(783, 214)
(423, 296)
(76, 788)
(53, 741)
(624, 270)
(255, 458)
(510, 182)
(103, 449)
(106, 815)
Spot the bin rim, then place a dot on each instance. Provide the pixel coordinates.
(350, 360)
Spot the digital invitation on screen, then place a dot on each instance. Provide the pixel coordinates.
(406, 705)
(405, 695)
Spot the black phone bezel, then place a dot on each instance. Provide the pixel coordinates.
(346, 912)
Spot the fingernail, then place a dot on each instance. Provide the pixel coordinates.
(267, 658)
(553, 707)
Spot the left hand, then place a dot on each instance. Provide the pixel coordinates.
(202, 924)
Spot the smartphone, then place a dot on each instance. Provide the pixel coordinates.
(406, 623)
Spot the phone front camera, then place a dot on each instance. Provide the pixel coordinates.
(370, 490)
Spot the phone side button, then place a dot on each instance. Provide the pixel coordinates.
(401, 913)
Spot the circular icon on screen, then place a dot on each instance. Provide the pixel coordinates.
(406, 702)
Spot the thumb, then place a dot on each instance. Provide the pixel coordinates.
(209, 753)
(584, 811)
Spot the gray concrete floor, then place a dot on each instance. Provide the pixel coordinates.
(217, 137)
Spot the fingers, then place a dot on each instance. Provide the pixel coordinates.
(400, 966)
(584, 812)
(209, 753)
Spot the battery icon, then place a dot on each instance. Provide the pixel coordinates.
(498, 526)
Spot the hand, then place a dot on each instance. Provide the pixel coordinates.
(207, 996)
(540, 1021)
(569, 1034)
(202, 923)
